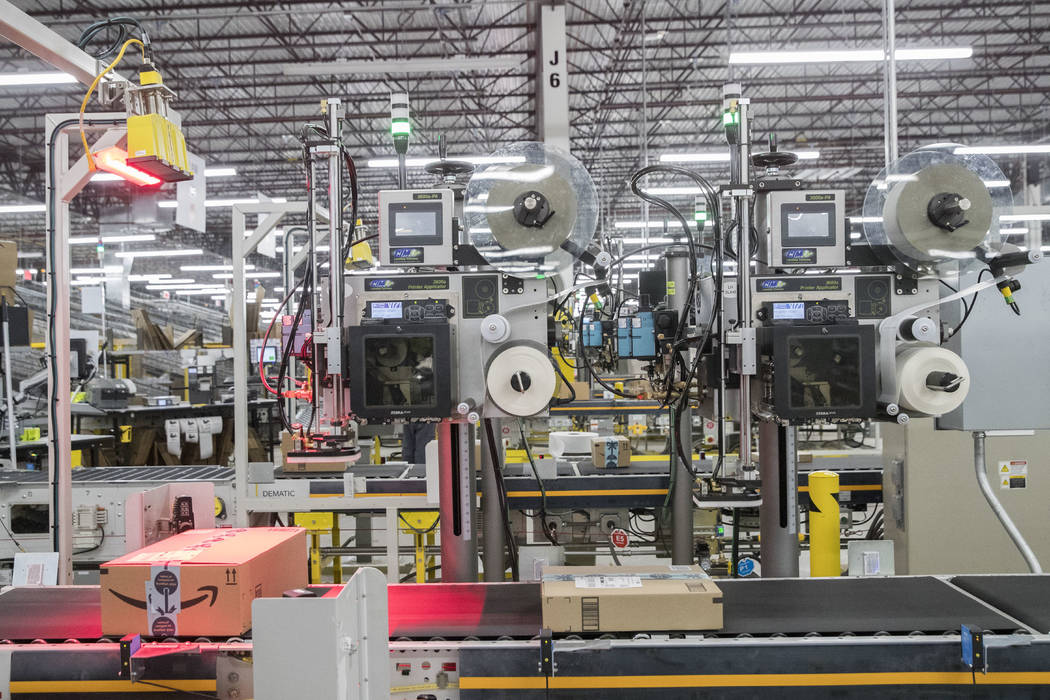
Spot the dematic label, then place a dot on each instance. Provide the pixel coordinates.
(820, 197)
(426, 195)
(406, 255)
(800, 284)
(291, 489)
(405, 284)
(799, 256)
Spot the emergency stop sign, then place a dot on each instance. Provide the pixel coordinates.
(619, 538)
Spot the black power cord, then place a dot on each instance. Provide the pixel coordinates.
(123, 25)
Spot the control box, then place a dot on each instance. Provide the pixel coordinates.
(416, 227)
(806, 228)
(592, 333)
(636, 336)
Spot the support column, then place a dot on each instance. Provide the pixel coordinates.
(678, 279)
(60, 475)
(889, 42)
(552, 94)
(459, 548)
(778, 516)
(494, 542)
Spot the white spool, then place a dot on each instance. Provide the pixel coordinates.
(914, 365)
(570, 442)
(520, 379)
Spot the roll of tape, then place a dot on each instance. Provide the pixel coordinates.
(919, 366)
(570, 442)
(520, 379)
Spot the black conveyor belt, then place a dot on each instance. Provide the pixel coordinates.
(859, 605)
(1025, 597)
(759, 607)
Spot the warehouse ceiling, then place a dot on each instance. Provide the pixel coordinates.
(644, 80)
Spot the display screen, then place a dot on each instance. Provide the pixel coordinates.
(802, 224)
(385, 309)
(269, 353)
(413, 224)
(789, 310)
(399, 371)
(808, 224)
(825, 372)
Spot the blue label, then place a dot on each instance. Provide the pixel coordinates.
(800, 253)
(773, 284)
(380, 284)
(407, 254)
(745, 567)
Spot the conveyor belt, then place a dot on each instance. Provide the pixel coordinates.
(757, 607)
(1025, 597)
(111, 475)
(898, 605)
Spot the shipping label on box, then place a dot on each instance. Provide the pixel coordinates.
(655, 598)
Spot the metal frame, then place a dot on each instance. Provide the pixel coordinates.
(69, 181)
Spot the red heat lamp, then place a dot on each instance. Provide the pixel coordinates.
(115, 160)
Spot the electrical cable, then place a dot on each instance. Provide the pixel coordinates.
(973, 303)
(11, 536)
(266, 338)
(191, 693)
(91, 90)
(551, 537)
(501, 490)
(121, 24)
(101, 541)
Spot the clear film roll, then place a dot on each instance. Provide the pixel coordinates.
(932, 380)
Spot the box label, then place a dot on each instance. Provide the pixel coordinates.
(1013, 474)
(162, 600)
(613, 581)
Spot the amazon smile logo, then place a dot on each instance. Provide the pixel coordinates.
(212, 591)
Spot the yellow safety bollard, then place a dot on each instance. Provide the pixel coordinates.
(824, 532)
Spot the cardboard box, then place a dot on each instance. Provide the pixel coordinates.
(655, 598)
(202, 582)
(311, 464)
(8, 265)
(611, 452)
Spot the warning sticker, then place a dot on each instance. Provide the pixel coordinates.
(162, 601)
(614, 581)
(1013, 474)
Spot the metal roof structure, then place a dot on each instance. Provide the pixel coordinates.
(644, 80)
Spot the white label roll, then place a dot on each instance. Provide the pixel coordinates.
(571, 443)
(520, 379)
(921, 369)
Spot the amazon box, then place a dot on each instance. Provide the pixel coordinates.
(655, 598)
(201, 583)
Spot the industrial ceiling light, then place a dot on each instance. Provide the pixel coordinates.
(641, 224)
(722, 156)
(212, 268)
(21, 208)
(1025, 217)
(225, 202)
(408, 65)
(128, 238)
(848, 55)
(115, 160)
(26, 79)
(1016, 149)
(420, 162)
(177, 252)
